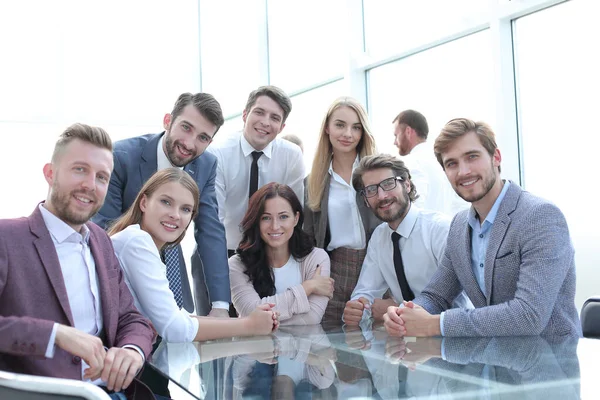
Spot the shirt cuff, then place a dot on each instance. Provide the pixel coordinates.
(220, 304)
(51, 347)
(442, 322)
(136, 348)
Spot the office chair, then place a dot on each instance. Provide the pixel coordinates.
(30, 387)
(590, 317)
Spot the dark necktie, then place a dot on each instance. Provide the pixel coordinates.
(254, 172)
(171, 257)
(407, 294)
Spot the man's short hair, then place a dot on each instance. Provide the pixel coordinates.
(457, 128)
(89, 134)
(380, 161)
(415, 120)
(275, 94)
(294, 139)
(204, 103)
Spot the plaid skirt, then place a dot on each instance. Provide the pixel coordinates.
(345, 269)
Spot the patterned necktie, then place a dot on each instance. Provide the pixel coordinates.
(407, 293)
(254, 173)
(171, 257)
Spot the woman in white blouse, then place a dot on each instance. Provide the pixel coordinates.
(159, 217)
(336, 216)
(276, 261)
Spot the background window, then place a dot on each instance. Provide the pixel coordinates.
(558, 83)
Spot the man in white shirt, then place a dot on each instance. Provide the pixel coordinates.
(65, 310)
(385, 184)
(254, 157)
(435, 193)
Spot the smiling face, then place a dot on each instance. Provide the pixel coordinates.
(188, 136)
(167, 212)
(277, 223)
(263, 122)
(389, 206)
(472, 172)
(344, 129)
(78, 181)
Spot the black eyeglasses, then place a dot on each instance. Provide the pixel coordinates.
(386, 184)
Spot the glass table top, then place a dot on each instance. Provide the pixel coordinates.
(332, 361)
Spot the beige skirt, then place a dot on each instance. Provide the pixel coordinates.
(345, 270)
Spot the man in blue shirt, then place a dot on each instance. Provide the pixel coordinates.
(510, 252)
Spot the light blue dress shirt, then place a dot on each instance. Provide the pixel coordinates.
(480, 237)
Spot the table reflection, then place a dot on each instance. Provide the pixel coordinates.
(328, 362)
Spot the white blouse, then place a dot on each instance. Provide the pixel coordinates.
(146, 276)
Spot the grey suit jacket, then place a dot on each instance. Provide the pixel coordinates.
(135, 162)
(529, 274)
(316, 223)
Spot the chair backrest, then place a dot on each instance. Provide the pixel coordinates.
(590, 317)
(30, 387)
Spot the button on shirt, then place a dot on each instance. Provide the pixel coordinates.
(422, 243)
(345, 224)
(281, 162)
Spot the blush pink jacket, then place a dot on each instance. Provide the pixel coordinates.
(294, 306)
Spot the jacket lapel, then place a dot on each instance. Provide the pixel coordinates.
(106, 296)
(49, 258)
(499, 229)
(149, 161)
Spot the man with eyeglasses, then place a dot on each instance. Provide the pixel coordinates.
(189, 129)
(404, 252)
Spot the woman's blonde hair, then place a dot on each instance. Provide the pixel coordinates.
(134, 214)
(320, 167)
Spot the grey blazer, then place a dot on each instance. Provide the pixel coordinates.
(316, 222)
(529, 274)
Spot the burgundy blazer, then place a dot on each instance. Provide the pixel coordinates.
(33, 297)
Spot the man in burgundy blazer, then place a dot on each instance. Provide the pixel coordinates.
(35, 307)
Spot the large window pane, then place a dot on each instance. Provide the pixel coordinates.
(233, 50)
(308, 111)
(449, 81)
(395, 25)
(306, 42)
(558, 83)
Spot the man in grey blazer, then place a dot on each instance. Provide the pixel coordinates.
(189, 129)
(510, 252)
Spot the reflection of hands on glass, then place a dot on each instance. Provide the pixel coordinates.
(266, 351)
(355, 339)
(412, 351)
(380, 307)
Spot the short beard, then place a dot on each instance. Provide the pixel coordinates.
(487, 186)
(397, 216)
(60, 202)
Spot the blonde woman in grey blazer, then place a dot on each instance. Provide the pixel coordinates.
(522, 282)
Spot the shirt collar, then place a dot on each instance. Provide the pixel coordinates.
(247, 148)
(354, 165)
(59, 230)
(474, 221)
(408, 223)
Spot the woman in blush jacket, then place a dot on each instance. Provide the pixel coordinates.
(276, 261)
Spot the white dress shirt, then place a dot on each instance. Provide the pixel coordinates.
(435, 192)
(345, 224)
(81, 281)
(281, 162)
(162, 162)
(422, 243)
(146, 276)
